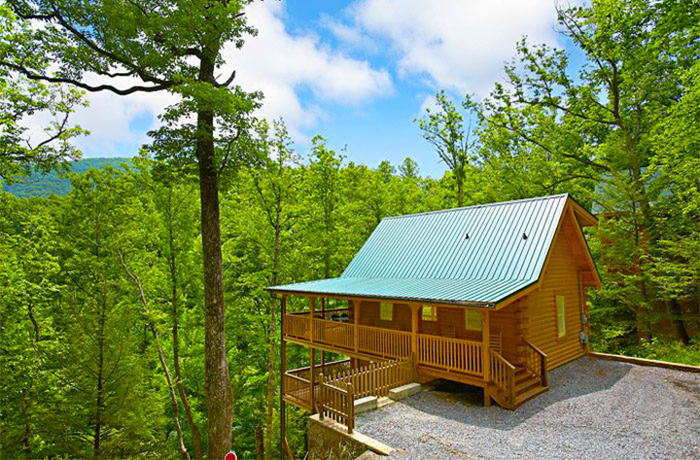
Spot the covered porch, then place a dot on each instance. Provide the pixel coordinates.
(446, 342)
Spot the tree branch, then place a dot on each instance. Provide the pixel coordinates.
(227, 82)
(94, 89)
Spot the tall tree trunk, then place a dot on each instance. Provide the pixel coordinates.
(217, 384)
(259, 441)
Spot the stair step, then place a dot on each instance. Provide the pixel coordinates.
(526, 385)
(520, 399)
(522, 375)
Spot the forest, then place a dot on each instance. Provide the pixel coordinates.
(133, 317)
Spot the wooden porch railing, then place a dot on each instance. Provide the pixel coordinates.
(536, 362)
(337, 403)
(386, 343)
(297, 325)
(451, 354)
(375, 379)
(503, 375)
(297, 389)
(335, 333)
(454, 355)
(332, 367)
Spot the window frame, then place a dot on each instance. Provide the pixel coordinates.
(382, 305)
(467, 325)
(432, 317)
(560, 322)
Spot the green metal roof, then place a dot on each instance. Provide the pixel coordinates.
(476, 255)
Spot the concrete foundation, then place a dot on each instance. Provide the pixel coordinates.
(404, 391)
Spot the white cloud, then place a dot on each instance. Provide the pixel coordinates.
(280, 64)
(458, 45)
(109, 119)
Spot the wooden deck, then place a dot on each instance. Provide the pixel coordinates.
(368, 342)
(478, 363)
(333, 394)
(296, 383)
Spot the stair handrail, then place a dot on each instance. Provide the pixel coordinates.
(542, 371)
(508, 385)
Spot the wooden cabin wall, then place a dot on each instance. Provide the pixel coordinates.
(369, 316)
(508, 321)
(451, 322)
(539, 315)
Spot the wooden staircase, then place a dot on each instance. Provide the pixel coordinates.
(526, 387)
(513, 385)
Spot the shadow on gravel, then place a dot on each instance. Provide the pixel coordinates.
(582, 377)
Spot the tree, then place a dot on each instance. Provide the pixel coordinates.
(323, 182)
(21, 98)
(171, 202)
(100, 354)
(170, 46)
(595, 131)
(28, 281)
(443, 128)
(276, 189)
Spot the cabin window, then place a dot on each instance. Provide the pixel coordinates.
(561, 317)
(472, 320)
(386, 311)
(429, 313)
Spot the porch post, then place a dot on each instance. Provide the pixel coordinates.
(414, 338)
(312, 377)
(312, 356)
(323, 353)
(356, 317)
(312, 317)
(486, 354)
(283, 370)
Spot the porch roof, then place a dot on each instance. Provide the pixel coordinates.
(482, 293)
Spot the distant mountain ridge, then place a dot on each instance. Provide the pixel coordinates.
(45, 185)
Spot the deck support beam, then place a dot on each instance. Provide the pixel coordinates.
(486, 354)
(323, 353)
(414, 338)
(283, 371)
(356, 317)
(312, 356)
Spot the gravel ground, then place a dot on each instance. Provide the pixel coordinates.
(594, 409)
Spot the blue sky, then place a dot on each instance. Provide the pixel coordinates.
(358, 73)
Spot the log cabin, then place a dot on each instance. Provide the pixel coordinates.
(492, 296)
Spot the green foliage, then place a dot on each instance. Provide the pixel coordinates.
(618, 133)
(99, 284)
(661, 350)
(22, 98)
(443, 127)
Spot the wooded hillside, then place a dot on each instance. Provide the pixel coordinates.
(108, 311)
(45, 184)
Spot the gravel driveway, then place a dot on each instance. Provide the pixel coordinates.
(593, 410)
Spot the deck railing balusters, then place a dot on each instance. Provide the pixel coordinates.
(452, 354)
